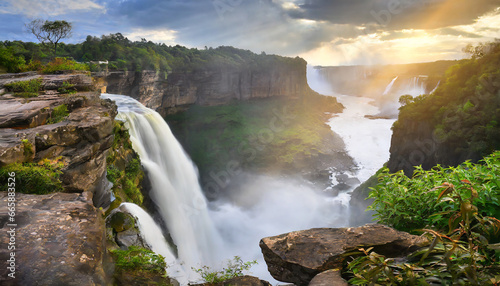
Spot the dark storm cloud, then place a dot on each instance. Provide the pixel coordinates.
(396, 14)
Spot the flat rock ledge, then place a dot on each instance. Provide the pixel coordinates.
(297, 257)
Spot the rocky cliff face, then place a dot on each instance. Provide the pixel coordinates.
(416, 143)
(59, 236)
(167, 93)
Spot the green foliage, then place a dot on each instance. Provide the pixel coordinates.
(140, 260)
(464, 111)
(10, 59)
(398, 200)
(25, 88)
(469, 254)
(35, 178)
(61, 64)
(233, 269)
(58, 114)
(67, 88)
(27, 148)
(127, 175)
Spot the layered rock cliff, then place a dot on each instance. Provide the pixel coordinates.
(208, 86)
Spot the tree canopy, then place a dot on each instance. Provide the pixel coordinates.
(49, 33)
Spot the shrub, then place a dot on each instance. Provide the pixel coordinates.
(67, 88)
(469, 254)
(59, 113)
(412, 203)
(139, 259)
(25, 88)
(234, 269)
(60, 64)
(35, 178)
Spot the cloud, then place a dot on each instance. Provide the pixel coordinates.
(395, 14)
(156, 36)
(47, 8)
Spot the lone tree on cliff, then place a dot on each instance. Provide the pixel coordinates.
(49, 33)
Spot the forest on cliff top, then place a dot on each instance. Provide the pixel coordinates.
(123, 54)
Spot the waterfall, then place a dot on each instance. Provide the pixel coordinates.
(314, 78)
(389, 86)
(437, 85)
(174, 180)
(414, 87)
(152, 235)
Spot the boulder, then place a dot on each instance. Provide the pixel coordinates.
(297, 257)
(59, 240)
(330, 277)
(245, 281)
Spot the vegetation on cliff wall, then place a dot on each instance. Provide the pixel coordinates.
(124, 169)
(124, 54)
(460, 120)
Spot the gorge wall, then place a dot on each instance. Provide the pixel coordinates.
(166, 93)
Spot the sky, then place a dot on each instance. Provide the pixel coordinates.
(324, 32)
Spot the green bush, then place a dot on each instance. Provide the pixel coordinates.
(61, 64)
(409, 204)
(25, 88)
(31, 178)
(139, 259)
(468, 253)
(67, 88)
(59, 113)
(234, 269)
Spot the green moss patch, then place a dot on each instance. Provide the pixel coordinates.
(25, 88)
(40, 178)
(58, 114)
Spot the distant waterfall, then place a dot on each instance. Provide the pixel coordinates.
(414, 87)
(152, 235)
(389, 86)
(174, 179)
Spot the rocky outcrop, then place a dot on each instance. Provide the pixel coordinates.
(122, 230)
(299, 256)
(330, 277)
(60, 237)
(167, 93)
(59, 240)
(245, 280)
(81, 140)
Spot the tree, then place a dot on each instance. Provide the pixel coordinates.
(49, 33)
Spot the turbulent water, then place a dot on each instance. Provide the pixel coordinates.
(260, 206)
(367, 140)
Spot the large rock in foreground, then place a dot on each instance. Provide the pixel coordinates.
(297, 257)
(59, 240)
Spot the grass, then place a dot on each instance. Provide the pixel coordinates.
(25, 88)
(35, 178)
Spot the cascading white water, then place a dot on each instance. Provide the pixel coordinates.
(174, 180)
(414, 87)
(263, 206)
(389, 86)
(152, 235)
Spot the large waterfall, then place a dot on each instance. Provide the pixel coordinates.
(261, 206)
(174, 180)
